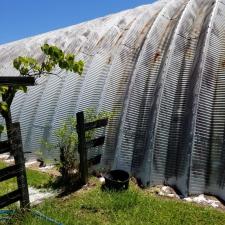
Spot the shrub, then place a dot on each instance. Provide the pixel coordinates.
(67, 143)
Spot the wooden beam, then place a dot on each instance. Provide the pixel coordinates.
(17, 148)
(82, 148)
(10, 198)
(4, 147)
(96, 142)
(95, 160)
(83, 145)
(19, 80)
(96, 124)
(9, 172)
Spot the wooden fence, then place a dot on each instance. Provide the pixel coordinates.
(14, 146)
(18, 170)
(83, 145)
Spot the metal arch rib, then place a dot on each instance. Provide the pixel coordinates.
(187, 141)
(114, 91)
(129, 122)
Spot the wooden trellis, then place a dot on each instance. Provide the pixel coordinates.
(83, 145)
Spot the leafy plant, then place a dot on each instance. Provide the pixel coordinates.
(67, 143)
(54, 58)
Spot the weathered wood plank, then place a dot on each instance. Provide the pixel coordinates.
(95, 142)
(96, 124)
(9, 172)
(82, 148)
(10, 198)
(4, 147)
(94, 161)
(17, 148)
(13, 81)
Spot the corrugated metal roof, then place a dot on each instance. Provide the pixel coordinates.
(161, 69)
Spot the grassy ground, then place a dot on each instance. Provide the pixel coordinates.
(35, 179)
(93, 206)
(135, 206)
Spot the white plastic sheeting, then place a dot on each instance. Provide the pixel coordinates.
(161, 69)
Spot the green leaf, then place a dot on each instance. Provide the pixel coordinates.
(45, 49)
(3, 89)
(4, 106)
(69, 57)
(20, 88)
(16, 63)
(63, 64)
(48, 67)
(75, 68)
(31, 61)
(2, 128)
(24, 71)
(58, 53)
(54, 57)
(81, 63)
(37, 67)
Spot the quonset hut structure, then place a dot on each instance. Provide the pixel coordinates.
(161, 69)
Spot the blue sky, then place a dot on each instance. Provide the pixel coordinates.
(24, 18)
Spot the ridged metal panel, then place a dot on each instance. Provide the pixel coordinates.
(171, 104)
(161, 69)
(163, 102)
(122, 67)
(97, 65)
(140, 93)
(199, 173)
(215, 181)
(190, 139)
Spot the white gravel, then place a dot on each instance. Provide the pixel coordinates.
(46, 168)
(38, 195)
(201, 199)
(4, 156)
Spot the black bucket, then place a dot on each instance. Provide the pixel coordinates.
(117, 180)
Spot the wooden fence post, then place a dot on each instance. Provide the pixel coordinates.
(17, 148)
(82, 148)
(84, 145)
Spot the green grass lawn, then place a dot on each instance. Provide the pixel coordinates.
(35, 179)
(135, 206)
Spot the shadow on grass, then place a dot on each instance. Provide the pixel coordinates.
(65, 186)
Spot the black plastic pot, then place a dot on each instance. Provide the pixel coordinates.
(117, 180)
